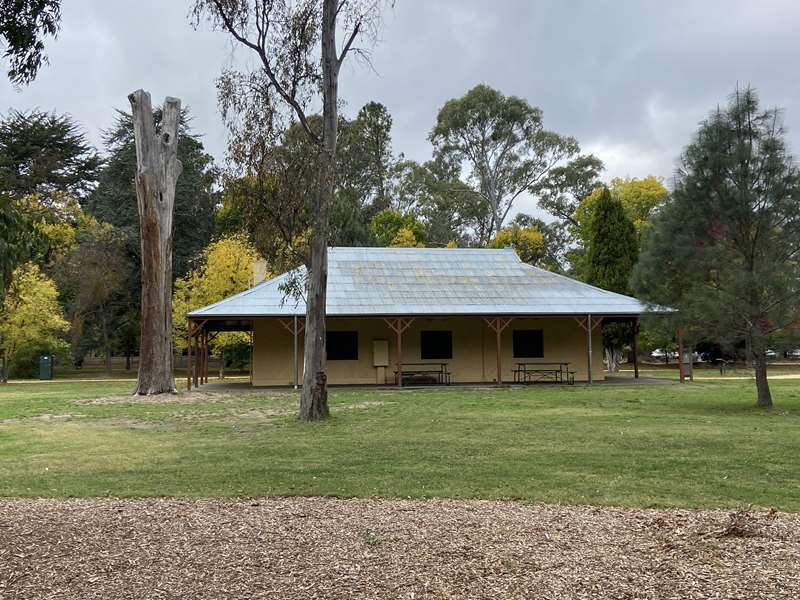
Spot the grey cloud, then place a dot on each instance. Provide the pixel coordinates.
(630, 79)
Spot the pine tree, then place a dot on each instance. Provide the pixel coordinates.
(612, 254)
(724, 250)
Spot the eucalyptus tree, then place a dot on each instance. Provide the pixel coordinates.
(24, 24)
(725, 249)
(299, 60)
(503, 142)
(157, 172)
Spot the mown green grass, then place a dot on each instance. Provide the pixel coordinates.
(698, 445)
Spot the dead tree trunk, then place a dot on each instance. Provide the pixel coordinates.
(314, 396)
(157, 171)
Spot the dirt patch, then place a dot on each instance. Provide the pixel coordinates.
(323, 548)
(181, 398)
(43, 418)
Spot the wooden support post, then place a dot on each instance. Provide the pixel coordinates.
(399, 332)
(589, 324)
(195, 371)
(399, 325)
(206, 356)
(252, 340)
(681, 370)
(590, 379)
(294, 327)
(498, 347)
(498, 324)
(294, 336)
(189, 331)
(635, 349)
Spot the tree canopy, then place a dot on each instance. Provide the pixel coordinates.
(31, 320)
(724, 249)
(222, 269)
(46, 165)
(612, 250)
(24, 25)
(503, 141)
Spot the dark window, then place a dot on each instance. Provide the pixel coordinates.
(436, 344)
(342, 345)
(528, 343)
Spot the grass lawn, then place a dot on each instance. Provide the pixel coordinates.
(698, 445)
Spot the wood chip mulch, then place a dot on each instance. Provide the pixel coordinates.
(326, 548)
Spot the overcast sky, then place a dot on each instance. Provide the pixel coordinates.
(629, 79)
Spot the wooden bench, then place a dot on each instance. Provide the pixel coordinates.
(544, 372)
(425, 373)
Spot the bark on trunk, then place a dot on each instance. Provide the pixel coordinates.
(762, 385)
(4, 368)
(613, 359)
(314, 395)
(106, 344)
(158, 169)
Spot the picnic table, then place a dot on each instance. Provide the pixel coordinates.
(427, 372)
(537, 372)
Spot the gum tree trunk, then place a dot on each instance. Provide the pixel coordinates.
(157, 172)
(314, 395)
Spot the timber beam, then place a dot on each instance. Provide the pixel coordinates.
(399, 325)
(498, 325)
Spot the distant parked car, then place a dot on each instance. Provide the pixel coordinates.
(771, 354)
(793, 353)
(658, 353)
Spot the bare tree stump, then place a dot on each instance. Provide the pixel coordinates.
(157, 172)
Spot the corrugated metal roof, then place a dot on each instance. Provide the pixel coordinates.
(431, 281)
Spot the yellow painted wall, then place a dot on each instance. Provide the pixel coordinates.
(474, 357)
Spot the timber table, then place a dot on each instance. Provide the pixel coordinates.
(437, 371)
(536, 372)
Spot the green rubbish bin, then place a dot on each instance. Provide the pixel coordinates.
(46, 367)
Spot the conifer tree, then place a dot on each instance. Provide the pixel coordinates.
(612, 253)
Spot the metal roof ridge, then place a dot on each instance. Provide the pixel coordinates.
(575, 281)
(244, 293)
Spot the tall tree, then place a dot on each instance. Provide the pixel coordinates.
(725, 249)
(611, 256)
(31, 319)
(158, 169)
(503, 141)
(365, 159)
(45, 164)
(566, 186)
(24, 24)
(296, 46)
(94, 278)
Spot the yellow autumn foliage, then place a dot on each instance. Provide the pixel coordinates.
(225, 268)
